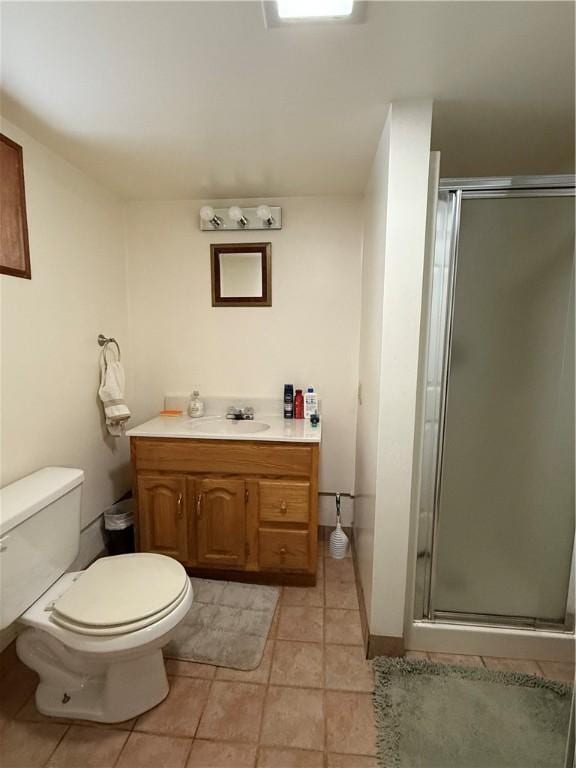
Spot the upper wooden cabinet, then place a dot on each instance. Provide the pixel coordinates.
(221, 522)
(226, 505)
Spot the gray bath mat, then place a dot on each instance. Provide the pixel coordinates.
(227, 625)
(438, 716)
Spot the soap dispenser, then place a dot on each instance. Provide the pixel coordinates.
(195, 406)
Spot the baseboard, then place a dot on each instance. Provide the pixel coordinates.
(374, 645)
(384, 645)
(360, 595)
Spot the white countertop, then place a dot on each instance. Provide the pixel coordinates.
(281, 430)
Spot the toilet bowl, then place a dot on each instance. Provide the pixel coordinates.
(109, 670)
(94, 637)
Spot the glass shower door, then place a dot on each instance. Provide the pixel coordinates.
(505, 498)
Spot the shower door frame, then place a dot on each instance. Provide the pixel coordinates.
(458, 190)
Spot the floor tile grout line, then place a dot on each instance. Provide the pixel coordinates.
(203, 711)
(192, 740)
(123, 747)
(60, 740)
(273, 640)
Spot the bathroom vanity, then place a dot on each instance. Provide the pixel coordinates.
(232, 499)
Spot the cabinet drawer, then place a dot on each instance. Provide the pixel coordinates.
(221, 457)
(284, 550)
(284, 501)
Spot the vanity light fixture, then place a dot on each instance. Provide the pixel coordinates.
(265, 215)
(233, 218)
(208, 214)
(235, 213)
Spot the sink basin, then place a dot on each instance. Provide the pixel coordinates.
(227, 427)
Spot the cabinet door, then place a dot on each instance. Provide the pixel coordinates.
(221, 522)
(162, 516)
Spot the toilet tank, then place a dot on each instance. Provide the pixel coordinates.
(39, 536)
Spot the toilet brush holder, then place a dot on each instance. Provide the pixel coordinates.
(339, 543)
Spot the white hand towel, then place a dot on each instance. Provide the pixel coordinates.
(111, 392)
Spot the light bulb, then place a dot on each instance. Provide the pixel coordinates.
(206, 213)
(235, 213)
(263, 212)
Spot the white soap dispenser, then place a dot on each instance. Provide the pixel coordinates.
(195, 406)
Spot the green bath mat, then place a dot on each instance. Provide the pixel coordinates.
(438, 716)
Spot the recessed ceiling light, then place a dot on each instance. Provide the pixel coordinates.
(294, 13)
(314, 9)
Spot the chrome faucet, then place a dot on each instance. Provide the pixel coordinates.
(240, 414)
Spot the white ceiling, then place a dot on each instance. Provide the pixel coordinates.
(199, 99)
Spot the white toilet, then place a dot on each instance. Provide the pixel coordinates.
(94, 637)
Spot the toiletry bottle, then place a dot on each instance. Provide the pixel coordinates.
(195, 406)
(288, 401)
(299, 405)
(310, 403)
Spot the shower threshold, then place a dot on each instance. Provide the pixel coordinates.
(510, 622)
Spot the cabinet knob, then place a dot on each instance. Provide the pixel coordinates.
(283, 550)
(199, 505)
(283, 507)
(180, 507)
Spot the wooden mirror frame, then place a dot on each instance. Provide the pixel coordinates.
(265, 251)
(14, 249)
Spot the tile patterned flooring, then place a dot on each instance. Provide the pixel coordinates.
(308, 705)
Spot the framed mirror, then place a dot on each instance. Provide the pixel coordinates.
(241, 274)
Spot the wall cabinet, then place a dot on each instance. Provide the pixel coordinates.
(242, 507)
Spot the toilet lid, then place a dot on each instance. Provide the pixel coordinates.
(121, 590)
(118, 629)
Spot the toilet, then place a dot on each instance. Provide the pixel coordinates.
(94, 637)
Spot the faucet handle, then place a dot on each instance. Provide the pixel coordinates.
(249, 412)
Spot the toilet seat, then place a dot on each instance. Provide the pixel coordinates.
(118, 629)
(121, 594)
(39, 616)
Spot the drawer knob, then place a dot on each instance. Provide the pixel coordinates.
(283, 550)
(283, 507)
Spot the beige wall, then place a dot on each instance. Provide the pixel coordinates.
(50, 375)
(394, 243)
(308, 336)
(374, 245)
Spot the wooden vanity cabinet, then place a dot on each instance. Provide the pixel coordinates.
(223, 505)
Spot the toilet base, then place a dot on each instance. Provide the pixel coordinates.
(81, 686)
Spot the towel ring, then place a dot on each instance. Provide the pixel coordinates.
(104, 341)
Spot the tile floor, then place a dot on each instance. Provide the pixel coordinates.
(308, 705)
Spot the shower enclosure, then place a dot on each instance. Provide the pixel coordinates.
(496, 508)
